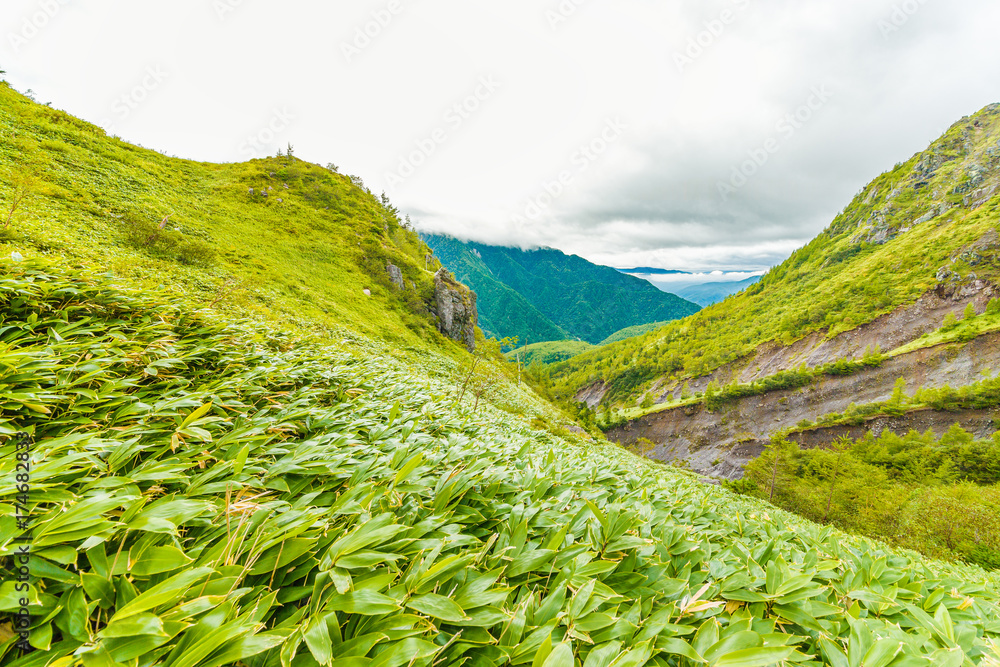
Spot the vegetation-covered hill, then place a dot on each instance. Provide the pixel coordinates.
(198, 489)
(931, 219)
(218, 497)
(277, 239)
(545, 295)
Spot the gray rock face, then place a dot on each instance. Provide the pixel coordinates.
(456, 309)
(395, 275)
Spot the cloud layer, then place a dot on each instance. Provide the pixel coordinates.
(695, 136)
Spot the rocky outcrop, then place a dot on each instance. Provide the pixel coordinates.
(456, 309)
(886, 332)
(395, 275)
(721, 443)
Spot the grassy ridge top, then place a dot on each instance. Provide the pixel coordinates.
(276, 239)
(545, 295)
(215, 497)
(885, 249)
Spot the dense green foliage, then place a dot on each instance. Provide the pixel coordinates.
(873, 258)
(211, 499)
(549, 352)
(632, 332)
(569, 297)
(277, 239)
(940, 496)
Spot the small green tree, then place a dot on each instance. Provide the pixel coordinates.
(685, 391)
(950, 322)
(23, 185)
(897, 403)
(970, 312)
(839, 448)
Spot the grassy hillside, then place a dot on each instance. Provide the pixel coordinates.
(576, 298)
(276, 239)
(933, 218)
(549, 352)
(632, 332)
(552, 352)
(212, 478)
(216, 496)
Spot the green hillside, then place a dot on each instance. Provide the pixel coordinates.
(550, 352)
(275, 239)
(545, 295)
(221, 452)
(216, 496)
(906, 231)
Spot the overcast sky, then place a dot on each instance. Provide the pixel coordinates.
(682, 135)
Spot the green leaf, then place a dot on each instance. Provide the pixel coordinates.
(731, 643)
(603, 655)
(166, 592)
(364, 602)
(882, 653)
(141, 624)
(436, 606)
(561, 656)
(678, 647)
(415, 462)
(194, 416)
(408, 651)
(756, 657)
(241, 459)
(317, 638)
(241, 648)
(157, 560)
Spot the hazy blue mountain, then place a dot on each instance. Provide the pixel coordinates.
(707, 294)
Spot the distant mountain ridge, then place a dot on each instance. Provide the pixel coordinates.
(546, 295)
(708, 294)
(651, 271)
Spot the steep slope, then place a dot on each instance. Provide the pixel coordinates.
(503, 311)
(579, 298)
(208, 491)
(275, 239)
(928, 226)
(257, 504)
(708, 294)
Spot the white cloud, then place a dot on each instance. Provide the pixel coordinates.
(650, 198)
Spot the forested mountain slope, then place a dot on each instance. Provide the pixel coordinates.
(546, 295)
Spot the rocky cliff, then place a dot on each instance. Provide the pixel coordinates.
(456, 309)
(720, 443)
